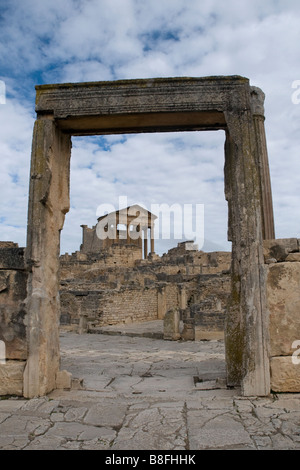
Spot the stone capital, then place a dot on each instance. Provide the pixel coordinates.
(257, 100)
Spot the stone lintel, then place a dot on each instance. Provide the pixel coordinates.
(168, 104)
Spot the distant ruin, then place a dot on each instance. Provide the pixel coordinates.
(261, 317)
(125, 226)
(112, 283)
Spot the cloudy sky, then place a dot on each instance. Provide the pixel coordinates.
(51, 41)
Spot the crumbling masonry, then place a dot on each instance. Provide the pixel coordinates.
(117, 286)
(261, 318)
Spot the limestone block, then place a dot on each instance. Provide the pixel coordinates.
(171, 324)
(280, 248)
(285, 376)
(188, 333)
(11, 257)
(11, 378)
(283, 298)
(292, 257)
(63, 379)
(12, 312)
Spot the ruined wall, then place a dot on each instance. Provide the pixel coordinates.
(130, 304)
(74, 265)
(104, 293)
(115, 287)
(13, 278)
(208, 303)
(282, 259)
(108, 307)
(91, 243)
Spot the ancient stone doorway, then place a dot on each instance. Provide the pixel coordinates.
(153, 105)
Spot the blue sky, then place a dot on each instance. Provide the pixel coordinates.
(50, 41)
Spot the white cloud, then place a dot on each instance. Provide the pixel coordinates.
(16, 124)
(181, 168)
(76, 40)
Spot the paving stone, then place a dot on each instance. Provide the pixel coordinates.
(11, 405)
(75, 414)
(4, 416)
(104, 414)
(153, 429)
(39, 406)
(208, 430)
(18, 430)
(155, 406)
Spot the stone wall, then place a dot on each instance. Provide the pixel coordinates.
(114, 287)
(116, 255)
(282, 259)
(13, 278)
(119, 287)
(208, 305)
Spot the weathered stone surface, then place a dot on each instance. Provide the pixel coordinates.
(214, 430)
(63, 379)
(138, 106)
(11, 378)
(161, 418)
(108, 287)
(270, 261)
(280, 248)
(157, 427)
(13, 279)
(285, 376)
(171, 324)
(292, 257)
(48, 204)
(11, 257)
(106, 414)
(283, 294)
(188, 332)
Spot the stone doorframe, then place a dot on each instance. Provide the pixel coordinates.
(152, 105)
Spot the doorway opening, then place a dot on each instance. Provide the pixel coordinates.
(139, 106)
(170, 171)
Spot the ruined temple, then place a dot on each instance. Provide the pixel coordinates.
(131, 225)
(116, 282)
(262, 309)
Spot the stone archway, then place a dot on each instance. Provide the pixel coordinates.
(152, 105)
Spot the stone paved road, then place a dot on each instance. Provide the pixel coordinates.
(148, 394)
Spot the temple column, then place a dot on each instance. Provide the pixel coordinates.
(257, 103)
(246, 325)
(152, 238)
(145, 243)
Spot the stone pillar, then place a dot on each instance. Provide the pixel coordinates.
(257, 103)
(182, 297)
(161, 302)
(152, 238)
(48, 204)
(188, 333)
(171, 324)
(246, 327)
(145, 243)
